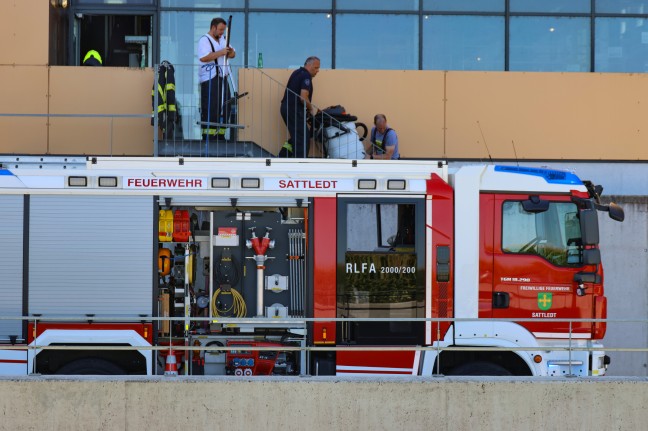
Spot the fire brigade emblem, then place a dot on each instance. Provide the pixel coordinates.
(544, 300)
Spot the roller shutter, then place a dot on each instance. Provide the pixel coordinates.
(91, 255)
(11, 264)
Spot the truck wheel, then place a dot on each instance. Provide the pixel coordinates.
(88, 366)
(479, 369)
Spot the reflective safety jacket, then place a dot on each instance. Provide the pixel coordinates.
(166, 104)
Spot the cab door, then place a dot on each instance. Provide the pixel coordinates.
(537, 251)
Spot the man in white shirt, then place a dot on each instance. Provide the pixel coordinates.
(213, 53)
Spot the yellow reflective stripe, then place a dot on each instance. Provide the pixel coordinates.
(212, 132)
(161, 108)
(172, 108)
(162, 93)
(288, 146)
(170, 87)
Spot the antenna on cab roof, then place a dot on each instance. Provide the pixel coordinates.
(515, 152)
(485, 144)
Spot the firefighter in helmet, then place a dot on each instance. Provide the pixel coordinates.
(92, 58)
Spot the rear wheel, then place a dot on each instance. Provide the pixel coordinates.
(479, 369)
(88, 366)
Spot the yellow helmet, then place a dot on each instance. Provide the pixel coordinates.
(92, 58)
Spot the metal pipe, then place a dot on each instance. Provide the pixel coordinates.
(260, 311)
(293, 265)
(303, 265)
(295, 256)
(300, 271)
(211, 261)
(291, 309)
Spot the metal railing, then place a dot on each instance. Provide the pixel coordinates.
(252, 124)
(569, 344)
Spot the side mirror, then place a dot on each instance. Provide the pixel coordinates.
(616, 212)
(589, 227)
(591, 256)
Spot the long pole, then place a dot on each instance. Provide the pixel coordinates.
(223, 71)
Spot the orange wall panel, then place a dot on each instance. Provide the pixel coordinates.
(547, 115)
(24, 29)
(24, 91)
(437, 114)
(109, 90)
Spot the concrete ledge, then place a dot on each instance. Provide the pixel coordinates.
(322, 403)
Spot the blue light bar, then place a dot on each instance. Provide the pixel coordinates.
(550, 175)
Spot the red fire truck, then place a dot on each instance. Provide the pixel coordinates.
(422, 268)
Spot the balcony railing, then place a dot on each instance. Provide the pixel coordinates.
(250, 124)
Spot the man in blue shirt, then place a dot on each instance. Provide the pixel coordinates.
(384, 141)
(295, 106)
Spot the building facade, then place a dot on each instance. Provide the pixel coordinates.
(493, 35)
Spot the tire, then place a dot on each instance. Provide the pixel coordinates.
(479, 369)
(91, 366)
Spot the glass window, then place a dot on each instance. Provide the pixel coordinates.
(114, 2)
(621, 45)
(553, 234)
(179, 35)
(376, 41)
(464, 5)
(554, 6)
(305, 34)
(452, 42)
(381, 274)
(404, 5)
(622, 6)
(190, 4)
(290, 4)
(550, 44)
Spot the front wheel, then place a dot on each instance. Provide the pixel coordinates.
(479, 369)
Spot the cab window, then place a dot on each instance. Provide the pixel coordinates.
(553, 234)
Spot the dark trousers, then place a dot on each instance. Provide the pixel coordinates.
(213, 94)
(295, 120)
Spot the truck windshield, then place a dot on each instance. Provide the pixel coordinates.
(553, 234)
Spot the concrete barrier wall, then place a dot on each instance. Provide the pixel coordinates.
(624, 251)
(403, 403)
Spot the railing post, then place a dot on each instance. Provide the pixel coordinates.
(33, 370)
(154, 111)
(570, 374)
(438, 342)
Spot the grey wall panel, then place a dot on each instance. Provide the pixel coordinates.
(90, 255)
(11, 264)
